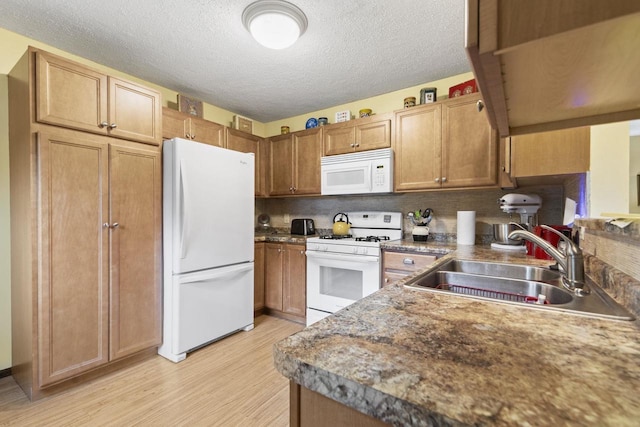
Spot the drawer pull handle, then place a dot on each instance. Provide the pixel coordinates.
(408, 261)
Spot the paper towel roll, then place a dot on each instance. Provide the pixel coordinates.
(466, 227)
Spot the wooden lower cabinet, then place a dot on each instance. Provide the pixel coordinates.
(258, 278)
(398, 265)
(285, 280)
(97, 290)
(310, 409)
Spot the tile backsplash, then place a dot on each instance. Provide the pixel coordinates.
(445, 205)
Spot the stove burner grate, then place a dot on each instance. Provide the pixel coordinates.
(336, 237)
(372, 238)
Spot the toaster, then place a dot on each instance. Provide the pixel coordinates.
(303, 226)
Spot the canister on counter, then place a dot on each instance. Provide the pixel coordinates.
(428, 95)
(284, 130)
(323, 121)
(410, 102)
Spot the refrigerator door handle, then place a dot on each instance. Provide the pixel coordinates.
(183, 210)
(228, 271)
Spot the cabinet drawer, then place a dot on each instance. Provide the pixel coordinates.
(390, 277)
(406, 261)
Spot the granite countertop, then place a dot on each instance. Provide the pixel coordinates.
(280, 238)
(421, 358)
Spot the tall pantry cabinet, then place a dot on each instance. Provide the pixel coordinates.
(86, 197)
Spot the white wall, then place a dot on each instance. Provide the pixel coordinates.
(5, 244)
(609, 176)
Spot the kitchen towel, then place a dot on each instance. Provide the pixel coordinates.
(466, 227)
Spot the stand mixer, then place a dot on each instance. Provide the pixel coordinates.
(526, 205)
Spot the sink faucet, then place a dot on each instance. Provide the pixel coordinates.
(571, 261)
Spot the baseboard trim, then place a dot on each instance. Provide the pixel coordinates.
(5, 372)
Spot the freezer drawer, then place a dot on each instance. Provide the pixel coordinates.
(205, 306)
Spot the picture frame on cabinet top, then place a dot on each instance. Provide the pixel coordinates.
(190, 106)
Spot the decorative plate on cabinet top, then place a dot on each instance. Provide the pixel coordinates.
(311, 123)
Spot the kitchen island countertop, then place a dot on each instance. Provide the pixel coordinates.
(409, 357)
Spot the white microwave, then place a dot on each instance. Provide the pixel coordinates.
(357, 173)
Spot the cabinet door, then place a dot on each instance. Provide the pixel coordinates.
(307, 150)
(417, 148)
(206, 132)
(273, 259)
(294, 286)
(174, 124)
(136, 249)
(73, 309)
(258, 280)
(469, 145)
(248, 143)
(339, 139)
(281, 165)
(551, 153)
(374, 135)
(134, 112)
(70, 95)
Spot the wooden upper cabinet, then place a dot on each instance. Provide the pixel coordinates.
(447, 144)
(358, 135)
(238, 140)
(546, 64)
(294, 163)
(134, 112)
(558, 152)
(136, 249)
(469, 144)
(307, 151)
(418, 148)
(70, 95)
(74, 96)
(181, 125)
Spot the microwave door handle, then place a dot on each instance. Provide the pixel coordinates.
(370, 174)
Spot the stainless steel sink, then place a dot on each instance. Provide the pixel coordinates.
(516, 284)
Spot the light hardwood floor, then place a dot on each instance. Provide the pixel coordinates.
(229, 383)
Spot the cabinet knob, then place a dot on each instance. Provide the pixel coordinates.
(188, 135)
(193, 136)
(294, 189)
(115, 225)
(408, 261)
(437, 179)
(352, 145)
(357, 145)
(480, 105)
(444, 179)
(103, 125)
(113, 126)
(105, 225)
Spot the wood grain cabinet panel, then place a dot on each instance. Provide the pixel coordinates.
(294, 163)
(181, 125)
(136, 250)
(259, 277)
(247, 143)
(74, 96)
(398, 265)
(557, 152)
(447, 144)
(285, 280)
(364, 134)
(74, 287)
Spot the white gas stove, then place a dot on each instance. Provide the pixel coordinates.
(343, 269)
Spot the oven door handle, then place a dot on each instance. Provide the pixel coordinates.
(342, 257)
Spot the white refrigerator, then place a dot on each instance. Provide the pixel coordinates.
(208, 209)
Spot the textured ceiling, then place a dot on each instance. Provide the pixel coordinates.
(352, 49)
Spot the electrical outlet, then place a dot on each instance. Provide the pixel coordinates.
(287, 220)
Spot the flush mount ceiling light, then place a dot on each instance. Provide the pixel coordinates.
(275, 24)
